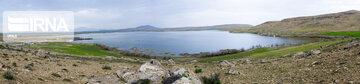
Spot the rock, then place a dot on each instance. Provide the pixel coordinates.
(286, 55)
(110, 58)
(247, 61)
(2, 65)
(53, 59)
(225, 63)
(315, 52)
(187, 77)
(151, 65)
(234, 72)
(123, 74)
(152, 70)
(263, 61)
(184, 80)
(41, 54)
(171, 62)
(299, 54)
(109, 79)
(194, 61)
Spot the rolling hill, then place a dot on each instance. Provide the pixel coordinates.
(334, 22)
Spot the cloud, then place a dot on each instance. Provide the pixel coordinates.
(109, 14)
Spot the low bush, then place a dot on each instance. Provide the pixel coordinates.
(106, 67)
(213, 79)
(8, 75)
(55, 74)
(142, 81)
(198, 70)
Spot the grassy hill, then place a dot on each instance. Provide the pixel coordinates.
(334, 22)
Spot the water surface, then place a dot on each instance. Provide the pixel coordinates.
(186, 41)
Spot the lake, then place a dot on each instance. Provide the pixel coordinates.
(187, 41)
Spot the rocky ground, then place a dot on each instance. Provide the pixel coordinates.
(337, 64)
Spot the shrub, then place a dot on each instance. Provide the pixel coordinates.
(142, 81)
(171, 79)
(213, 79)
(75, 65)
(55, 74)
(198, 70)
(40, 79)
(29, 66)
(8, 75)
(67, 80)
(106, 67)
(123, 80)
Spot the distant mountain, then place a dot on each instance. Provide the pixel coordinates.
(334, 22)
(215, 27)
(147, 26)
(156, 29)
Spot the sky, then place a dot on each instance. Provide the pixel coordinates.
(118, 14)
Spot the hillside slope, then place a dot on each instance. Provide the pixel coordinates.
(334, 22)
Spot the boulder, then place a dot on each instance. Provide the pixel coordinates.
(171, 62)
(225, 63)
(152, 70)
(187, 77)
(230, 71)
(154, 65)
(315, 52)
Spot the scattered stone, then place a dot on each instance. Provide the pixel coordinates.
(171, 62)
(247, 61)
(64, 70)
(299, 54)
(225, 63)
(315, 52)
(110, 58)
(194, 61)
(41, 54)
(263, 61)
(286, 55)
(234, 72)
(2, 65)
(109, 79)
(123, 74)
(29, 67)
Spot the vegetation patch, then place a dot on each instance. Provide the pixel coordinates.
(234, 56)
(55, 74)
(75, 49)
(213, 79)
(106, 68)
(352, 34)
(8, 75)
(304, 47)
(198, 70)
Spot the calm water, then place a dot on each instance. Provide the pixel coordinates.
(186, 41)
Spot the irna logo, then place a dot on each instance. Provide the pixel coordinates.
(38, 26)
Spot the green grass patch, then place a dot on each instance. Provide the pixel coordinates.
(74, 48)
(234, 56)
(269, 52)
(354, 33)
(304, 47)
